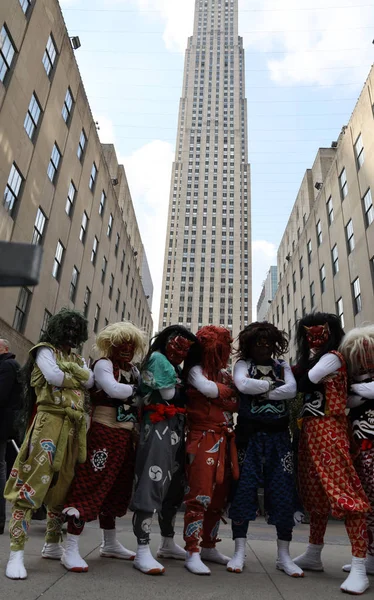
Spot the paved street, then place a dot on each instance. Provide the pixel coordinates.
(115, 580)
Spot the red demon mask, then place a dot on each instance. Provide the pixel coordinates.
(177, 349)
(317, 335)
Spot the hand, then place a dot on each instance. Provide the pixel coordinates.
(82, 375)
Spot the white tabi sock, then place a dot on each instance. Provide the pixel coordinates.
(52, 550)
(284, 561)
(311, 559)
(71, 559)
(236, 564)
(214, 556)
(169, 549)
(369, 565)
(195, 565)
(145, 562)
(357, 581)
(112, 548)
(15, 568)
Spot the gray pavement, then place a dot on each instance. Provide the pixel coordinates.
(110, 579)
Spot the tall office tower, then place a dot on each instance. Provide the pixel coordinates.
(207, 267)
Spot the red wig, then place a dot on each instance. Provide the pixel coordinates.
(216, 349)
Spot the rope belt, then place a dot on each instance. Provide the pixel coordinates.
(227, 441)
(70, 417)
(162, 412)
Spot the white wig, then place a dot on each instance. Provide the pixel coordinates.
(357, 348)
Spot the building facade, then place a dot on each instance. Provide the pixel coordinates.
(267, 293)
(326, 256)
(207, 266)
(61, 187)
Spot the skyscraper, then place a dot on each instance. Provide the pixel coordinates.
(207, 266)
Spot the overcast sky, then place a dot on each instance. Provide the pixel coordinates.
(305, 67)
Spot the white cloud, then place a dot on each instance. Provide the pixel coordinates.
(264, 254)
(148, 171)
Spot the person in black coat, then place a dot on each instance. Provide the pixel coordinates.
(9, 399)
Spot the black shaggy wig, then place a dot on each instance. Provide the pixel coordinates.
(333, 343)
(248, 337)
(160, 340)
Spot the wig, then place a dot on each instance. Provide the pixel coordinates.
(160, 340)
(116, 334)
(303, 350)
(357, 348)
(276, 338)
(212, 351)
(57, 325)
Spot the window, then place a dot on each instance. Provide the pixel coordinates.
(343, 184)
(25, 5)
(22, 307)
(103, 269)
(319, 233)
(84, 225)
(102, 203)
(96, 318)
(57, 263)
(111, 284)
(322, 274)
(47, 316)
(359, 152)
(68, 105)
(86, 301)
(12, 190)
(74, 284)
(330, 211)
(123, 260)
(70, 199)
(340, 311)
(49, 56)
(7, 52)
(357, 303)
(312, 295)
(303, 306)
(368, 207)
(117, 299)
(123, 311)
(81, 145)
(301, 266)
(39, 226)
(94, 250)
(294, 281)
(117, 244)
(110, 226)
(288, 294)
(32, 117)
(93, 176)
(309, 251)
(53, 163)
(350, 236)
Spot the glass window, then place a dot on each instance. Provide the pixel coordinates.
(117, 299)
(46, 317)
(359, 152)
(68, 105)
(12, 189)
(54, 163)
(303, 306)
(111, 284)
(322, 274)
(49, 56)
(335, 260)
(350, 236)
(368, 207)
(32, 117)
(309, 250)
(94, 250)
(96, 318)
(357, 303)
(81, 145)
(83, 229)
(102, 203)
(39, 226)
(123, 260)
(294, 281)
(123, 311)
(93, 176)
(117, 244)
(343, 184)
(22, 307)
(330, 211)
(312, 295)
(301, 266)
(103, 269)
(57, 263)
(25, 5)
(70, 199)
(86, 301)
(340, 311)
(319, 233)
(7, 52)
(74, 284)
(110, 226)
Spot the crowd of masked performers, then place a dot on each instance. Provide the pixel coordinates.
(161, 433)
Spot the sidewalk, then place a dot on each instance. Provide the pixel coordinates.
(110, 579)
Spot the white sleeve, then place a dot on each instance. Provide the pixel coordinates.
(197, 379)
(327, 364)
(247, 385)
(46, 361)
(354, 401)
(365, 390)
(167, 393)
(288, 390)
(105, 381)
(91, 380)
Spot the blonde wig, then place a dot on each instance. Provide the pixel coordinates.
(357, 348)
(116, 334)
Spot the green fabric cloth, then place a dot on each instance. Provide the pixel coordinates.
(158, 374)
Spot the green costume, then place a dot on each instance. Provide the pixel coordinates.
(56, 441)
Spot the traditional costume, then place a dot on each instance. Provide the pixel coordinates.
(358, 350)
(56, 441)
(265, 384)
(328, 480)
(102, 486)
(211, 452)
(159, 469)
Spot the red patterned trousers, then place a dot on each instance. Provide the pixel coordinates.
(365, 468)
(328, 480)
